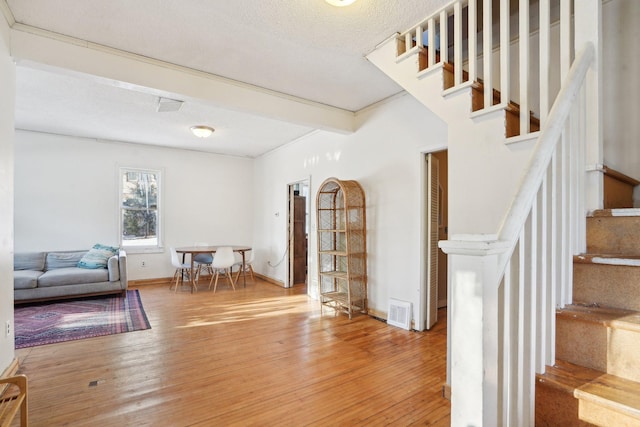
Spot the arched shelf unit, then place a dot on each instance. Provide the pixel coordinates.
(342, 246)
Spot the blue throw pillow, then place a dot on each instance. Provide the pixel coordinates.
(97, 257)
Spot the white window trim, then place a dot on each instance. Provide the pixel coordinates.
(159, 248)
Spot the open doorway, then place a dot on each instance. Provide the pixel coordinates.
(298, 231)
(443, 225)
(435, 228)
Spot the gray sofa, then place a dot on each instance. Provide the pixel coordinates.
(52, 275)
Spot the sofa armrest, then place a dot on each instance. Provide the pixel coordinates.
(122, 262)
(113, 266)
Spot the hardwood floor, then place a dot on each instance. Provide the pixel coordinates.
(258, 356)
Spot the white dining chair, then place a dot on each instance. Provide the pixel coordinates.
(223, 260)
(182, 269)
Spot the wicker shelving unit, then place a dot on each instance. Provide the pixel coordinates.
(342, 246)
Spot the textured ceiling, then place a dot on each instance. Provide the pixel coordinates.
(68, 105)
(304, 48)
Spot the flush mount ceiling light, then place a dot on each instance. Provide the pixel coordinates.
(340, 3)
(202, 131)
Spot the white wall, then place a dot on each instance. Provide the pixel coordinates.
(384, 156)
(66, 196)
(7, 89)
(621, 86)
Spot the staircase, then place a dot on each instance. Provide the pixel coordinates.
(510, 262)
(596, 377)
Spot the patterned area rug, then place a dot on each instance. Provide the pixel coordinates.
(52, 322)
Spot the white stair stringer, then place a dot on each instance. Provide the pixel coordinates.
(428, 89)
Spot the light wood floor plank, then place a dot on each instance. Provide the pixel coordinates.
(262, 355)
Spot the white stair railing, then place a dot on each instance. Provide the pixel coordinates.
(506, 287)
(508, 50)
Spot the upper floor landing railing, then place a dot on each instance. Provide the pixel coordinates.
(508, 51)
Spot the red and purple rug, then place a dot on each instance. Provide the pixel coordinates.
(53, 322)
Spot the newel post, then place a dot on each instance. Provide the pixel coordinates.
(473, 286)
(588, 29)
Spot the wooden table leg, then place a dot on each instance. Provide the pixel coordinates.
(244, 271)
(192, 276)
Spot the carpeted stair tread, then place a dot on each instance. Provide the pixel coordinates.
(630, 322)
(614, 393)
(598, 331)
(593, 314)
(615, 212)
(608, 259)
(567, 376)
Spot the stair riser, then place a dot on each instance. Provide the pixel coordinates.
(612, 350)
(623, 355)
(555, 407)
(512, 118)
(607, 285)
(581, 343)
(613, 235)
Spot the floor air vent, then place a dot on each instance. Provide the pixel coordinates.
(399, 314)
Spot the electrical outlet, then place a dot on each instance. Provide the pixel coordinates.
(7, 329)
(143, 264)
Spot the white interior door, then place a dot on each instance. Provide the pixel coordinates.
(432, 211)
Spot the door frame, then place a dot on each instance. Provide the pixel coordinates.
(288, 282)
(421, 321)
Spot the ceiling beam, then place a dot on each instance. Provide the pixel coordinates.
(6, 12)
(32, 46)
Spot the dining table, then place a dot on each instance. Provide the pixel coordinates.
(195, 250)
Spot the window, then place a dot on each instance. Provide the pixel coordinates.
(140, 209)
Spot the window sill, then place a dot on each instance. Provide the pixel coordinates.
(142, 250)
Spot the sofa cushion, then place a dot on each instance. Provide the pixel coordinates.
(26, 279)
(63, 259)
(72, 276)
(97, 256)
(28, 261)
